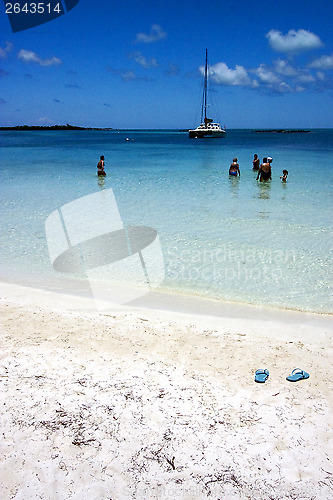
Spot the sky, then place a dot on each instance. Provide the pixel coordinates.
(139, 64)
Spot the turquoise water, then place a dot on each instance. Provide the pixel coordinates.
(222, 238)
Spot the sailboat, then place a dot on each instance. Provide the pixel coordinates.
(207, 128)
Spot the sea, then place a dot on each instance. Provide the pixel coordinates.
(222, 238)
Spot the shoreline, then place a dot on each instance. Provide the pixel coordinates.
(312, 325)
(158, 298)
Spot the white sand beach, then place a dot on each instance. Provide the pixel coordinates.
(136, 403)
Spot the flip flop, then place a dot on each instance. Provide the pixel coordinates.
(297, 374)
(261, 376)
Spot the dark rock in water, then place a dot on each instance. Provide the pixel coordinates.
(281, 131)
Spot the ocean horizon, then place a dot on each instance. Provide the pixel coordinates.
(222, 238)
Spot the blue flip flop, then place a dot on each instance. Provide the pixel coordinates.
(297, 374)
(261, 376)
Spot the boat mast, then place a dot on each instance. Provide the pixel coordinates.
(205, 92)
(206, 85)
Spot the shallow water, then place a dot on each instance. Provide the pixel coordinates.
(223, 238)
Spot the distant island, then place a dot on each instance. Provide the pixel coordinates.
(281, 131)
(51, 127)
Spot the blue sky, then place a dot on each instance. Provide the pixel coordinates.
(138, 64)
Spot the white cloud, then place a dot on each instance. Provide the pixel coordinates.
(294, 41)
(156, 34)
(145, 63)
(29, 56)
(266, 76)
(4, 51)
(295, 74)
(282, 79)
(128, 75)
(323, 63)
(305, 77)
(321, 76)
(222, 75)
(283, 88)
(284, 68)
(269, 79)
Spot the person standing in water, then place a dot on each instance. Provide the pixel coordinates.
(256, 162)
(265, 171)
(284, 175)
(100, 166)
(234, 168)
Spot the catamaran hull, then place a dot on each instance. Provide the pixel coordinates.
(201, 134)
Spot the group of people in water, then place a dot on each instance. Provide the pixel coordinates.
(264, 169)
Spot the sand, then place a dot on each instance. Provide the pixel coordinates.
(137, 403)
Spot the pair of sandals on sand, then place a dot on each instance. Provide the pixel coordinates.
(297, 374)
